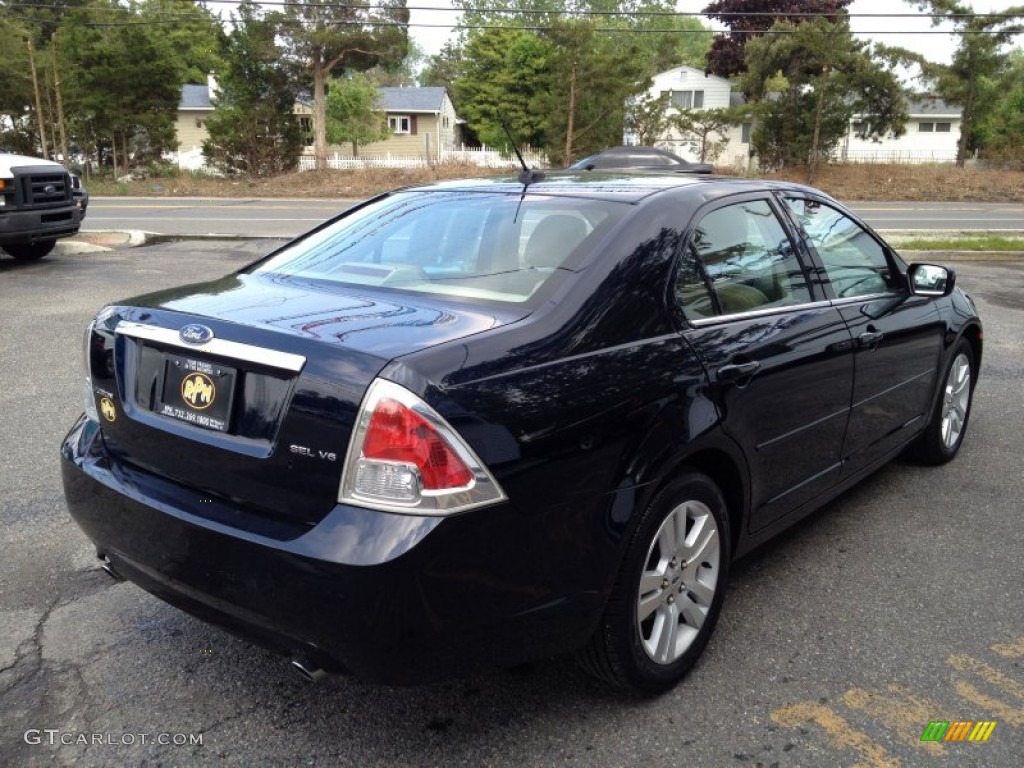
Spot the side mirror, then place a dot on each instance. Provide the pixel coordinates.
(930, 280)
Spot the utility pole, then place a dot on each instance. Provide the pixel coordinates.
(60, 105)
(39, 101)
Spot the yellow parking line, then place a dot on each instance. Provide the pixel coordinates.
(1011, 650)
(903, 712)
(988, 674)
(840, 731)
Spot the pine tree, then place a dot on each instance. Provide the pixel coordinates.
(253, 129)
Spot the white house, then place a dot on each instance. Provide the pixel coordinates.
(931, 136)
(931, 133)
(689, 88)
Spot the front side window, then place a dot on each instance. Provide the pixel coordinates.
(926, 127)
(856, 263)
(459, 244)
(740, 259)
(398, 123)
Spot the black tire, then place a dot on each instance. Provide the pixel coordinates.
(938, 443)
(30, 251)
(625, 648)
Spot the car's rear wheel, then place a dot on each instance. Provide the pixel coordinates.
(30, 251)
(669, 591)
(942, 438)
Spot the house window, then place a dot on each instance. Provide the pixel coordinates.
(926, 127)
(745, 133)
(943, 127)
(859, 127)
(446, 121)
(687, 99)
(399, 123)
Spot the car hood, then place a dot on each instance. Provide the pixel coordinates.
(384, 323)
(16, 161)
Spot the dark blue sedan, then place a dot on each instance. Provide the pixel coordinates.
(476, 423)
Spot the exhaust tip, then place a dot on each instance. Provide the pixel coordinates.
(308, 670)
(108, 568)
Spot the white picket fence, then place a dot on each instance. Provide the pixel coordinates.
(188, 160)
(896, 156)
(484, 157)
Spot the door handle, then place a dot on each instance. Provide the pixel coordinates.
(735, 371)
(870, 338)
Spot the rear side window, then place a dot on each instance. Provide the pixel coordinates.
(740, 259)
(461, 244)
(856, 264)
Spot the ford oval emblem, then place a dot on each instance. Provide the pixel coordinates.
(195, 334)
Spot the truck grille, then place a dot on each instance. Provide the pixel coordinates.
(43, 189)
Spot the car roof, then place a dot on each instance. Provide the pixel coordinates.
(625, 186)
(636, 152)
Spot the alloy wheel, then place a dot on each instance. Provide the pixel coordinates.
(678, 583)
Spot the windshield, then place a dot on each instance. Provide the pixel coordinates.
(463, 244)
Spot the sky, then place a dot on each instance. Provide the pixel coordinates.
(903, 32)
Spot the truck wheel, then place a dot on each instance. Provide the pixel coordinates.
(30, 251)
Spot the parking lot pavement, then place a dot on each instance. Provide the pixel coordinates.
(897, 605)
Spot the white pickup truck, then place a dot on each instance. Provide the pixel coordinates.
(37, 205)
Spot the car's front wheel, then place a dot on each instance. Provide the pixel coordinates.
(669, 592)
(942, 438)
(30, 251)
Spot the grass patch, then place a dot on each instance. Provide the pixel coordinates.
(971, 243)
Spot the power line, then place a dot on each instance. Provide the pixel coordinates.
(170, 19)
(934, 17)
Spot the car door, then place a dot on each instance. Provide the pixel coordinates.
(778, 355)
(897, 337)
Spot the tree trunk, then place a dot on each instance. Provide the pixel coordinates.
(571, 116)
(812, 164)
(39, 102)
(319, 116)
(60, 107)
(966, 121)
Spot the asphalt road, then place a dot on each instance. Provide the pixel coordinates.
(287, 218)
(897, 605)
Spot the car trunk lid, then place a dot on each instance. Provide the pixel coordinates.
(249, 391)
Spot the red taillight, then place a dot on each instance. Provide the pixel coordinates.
(396, 433)
(404, 457)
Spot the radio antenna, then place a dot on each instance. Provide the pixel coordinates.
(528, 175)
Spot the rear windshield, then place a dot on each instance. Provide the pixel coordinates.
(462, 244)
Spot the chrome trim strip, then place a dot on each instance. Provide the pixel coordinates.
(760, 313)
(221, 347)
(837, 302)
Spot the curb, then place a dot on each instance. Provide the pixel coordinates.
(941, 256)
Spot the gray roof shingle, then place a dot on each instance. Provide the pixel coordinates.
(930, 105)
(427, 99)
(195, 97)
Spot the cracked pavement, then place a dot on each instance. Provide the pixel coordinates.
(873, 594)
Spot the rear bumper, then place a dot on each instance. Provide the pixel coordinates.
(39, 224)
(387, 598)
